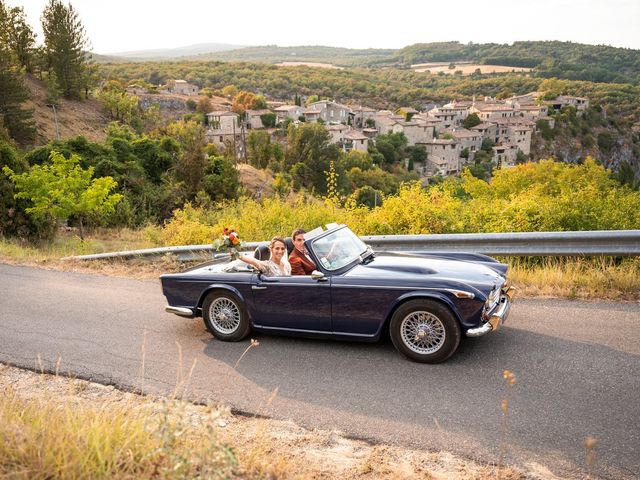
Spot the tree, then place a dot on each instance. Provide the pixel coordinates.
(204, 105)
(65, 44)
(268, 120)
(16, 33)
(221, 180)
(309, 154)
(64, 189)
(191, 164)
(471, 121)
(244, 101)
(17, 120)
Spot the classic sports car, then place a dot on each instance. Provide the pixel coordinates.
(426, 301)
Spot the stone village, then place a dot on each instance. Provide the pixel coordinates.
(509, 124)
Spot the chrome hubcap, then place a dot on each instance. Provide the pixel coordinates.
(422, 332)
(224, 315)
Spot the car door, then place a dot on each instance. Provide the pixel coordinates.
(296, 302)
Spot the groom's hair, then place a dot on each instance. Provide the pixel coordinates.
(296, 232)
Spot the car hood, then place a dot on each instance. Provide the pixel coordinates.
(410, 267)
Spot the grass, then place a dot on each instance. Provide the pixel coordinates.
(56, 428)
(45, 439)
(577, 278)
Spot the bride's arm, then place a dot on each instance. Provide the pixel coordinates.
(251, 261)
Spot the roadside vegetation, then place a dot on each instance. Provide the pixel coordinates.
(55, 427)
(545, 196)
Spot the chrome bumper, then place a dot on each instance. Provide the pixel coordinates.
(182, 311)
(497, 318)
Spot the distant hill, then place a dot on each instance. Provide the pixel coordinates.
(573, 61)
(344, 57)
(172, 53)
(568, 60)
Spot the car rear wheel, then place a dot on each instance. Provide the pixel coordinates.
(225, 316)
(425, 331)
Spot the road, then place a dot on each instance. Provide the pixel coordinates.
(577, 366)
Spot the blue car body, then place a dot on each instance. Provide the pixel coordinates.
(355, 301)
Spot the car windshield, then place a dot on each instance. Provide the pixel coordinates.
(338, 249)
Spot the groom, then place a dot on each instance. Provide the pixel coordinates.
(301, 263)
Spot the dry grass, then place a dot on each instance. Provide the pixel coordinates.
(577, 278)
(55, 427)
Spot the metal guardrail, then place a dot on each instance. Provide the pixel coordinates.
(588, 243)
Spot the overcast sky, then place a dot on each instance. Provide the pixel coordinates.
(125, 25)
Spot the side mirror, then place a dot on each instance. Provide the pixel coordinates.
(319, 276)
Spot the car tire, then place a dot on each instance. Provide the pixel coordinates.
(425, 331)
(225, 317)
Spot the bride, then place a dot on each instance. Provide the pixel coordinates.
(277, 265)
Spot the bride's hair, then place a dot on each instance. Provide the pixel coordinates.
(274, 240)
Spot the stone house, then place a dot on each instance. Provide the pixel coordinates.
(579, 103)
(531, 112)
(223, 128)
(294, 112)
(329, 112)
(520, 136)
(453, 111)
(493, 111)
(504, 155)
(182, 87)
(443, 155)
(486, 129)
(359, 115)
(311, 115)
(337, 132)
(416, 132)
(355, 140)
(253, 118)
(469, 139)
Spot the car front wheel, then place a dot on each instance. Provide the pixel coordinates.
(225, 316)
(425, 331)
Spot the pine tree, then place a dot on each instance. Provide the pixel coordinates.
(17, 120)
(65, 44)
(17, 35)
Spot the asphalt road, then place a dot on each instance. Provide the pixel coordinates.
(577, 366)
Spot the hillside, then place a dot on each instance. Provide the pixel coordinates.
(75, 117)
(573, 61)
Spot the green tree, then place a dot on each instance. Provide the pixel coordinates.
(119, 105)
(14, 221)
(65, 44)
(221, 180)
(192, 162)
(53, 89)
(309, 154)
(17, 120)
(16, 33)
(64, 189)
(471, 121)
(268, 120)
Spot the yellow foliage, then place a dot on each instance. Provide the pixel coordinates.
(544, 196)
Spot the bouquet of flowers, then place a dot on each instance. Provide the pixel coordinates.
(229, 242)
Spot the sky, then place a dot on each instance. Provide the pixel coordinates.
(127, 25)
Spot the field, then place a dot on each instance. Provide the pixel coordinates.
(308, 64)
(465, 68)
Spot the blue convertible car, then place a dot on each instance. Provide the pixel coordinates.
(427, 302)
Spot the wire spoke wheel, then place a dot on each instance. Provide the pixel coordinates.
(423, 332)
(225, 315)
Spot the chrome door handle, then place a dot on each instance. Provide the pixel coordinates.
(253, 287)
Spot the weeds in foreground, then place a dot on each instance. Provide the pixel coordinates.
(44, 439)
(510, 379)
(589, 446)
